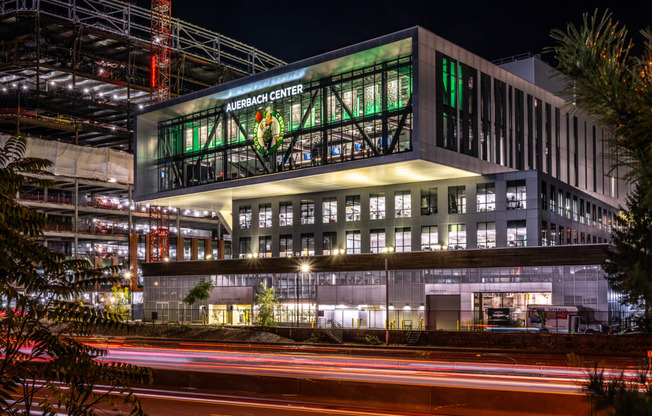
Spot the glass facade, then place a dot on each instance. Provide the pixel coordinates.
(359, 114)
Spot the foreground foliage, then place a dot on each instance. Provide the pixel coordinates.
(606, 81)
(42, 365)
(620, 396)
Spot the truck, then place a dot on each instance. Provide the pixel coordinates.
(562, 319)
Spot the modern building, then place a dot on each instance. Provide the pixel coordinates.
(72, 74)
(405, 143)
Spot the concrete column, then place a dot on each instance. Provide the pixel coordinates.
(220, 249)
(180, 248)
(194, 249)
(208, 249)
(133, 261)
(147, 254)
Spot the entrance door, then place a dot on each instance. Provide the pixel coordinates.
(443, 312)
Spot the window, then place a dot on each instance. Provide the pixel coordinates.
(567, 205)
(329, 210)
(553, 198)
(265, 246)
(245, 216)
(430, 238)
(544, 233)
(516, 195)
(486, 234)
(377, 241)
(544, 196)
(457, 200)
(285, 246)
(308, 244)
(553, 234)
(456, 236)
(285, 214)
(403, 239)
(403, 204)
(575, 209)
(307, 212)
(245, 247)
(353, 242)
(265, 215)
(329, 243)
(582, 212)
(588, 213)
(353, 208)
(428, 201)
(377, 206)
(560, 202)
(561, 235)
(516, 234)
(486, 197)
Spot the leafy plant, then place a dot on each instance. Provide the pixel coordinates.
(619, 395)
(40, 318)
(267, 303)
(574, 360)
(200, 292)
(119, 302)
(372, 339)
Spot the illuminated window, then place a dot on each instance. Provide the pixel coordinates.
(456, 200)
(456, 236)
(516, 233)
(486, 197)
(307, 212)
(516, 195)
(265, 215)
(377, 241)
(329, 210)
(353, 242)
(377, 206)
(430, 238)
(329, 243)
(307, 244)
(244, 216)
(285, 246)
(486, 234)
(285, 214)
(403, 204)
(429, 201)
(403, 239)
(353, 208)
(265, 246)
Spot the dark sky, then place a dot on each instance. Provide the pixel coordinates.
(293, 30)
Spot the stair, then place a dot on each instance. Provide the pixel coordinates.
(334, 330)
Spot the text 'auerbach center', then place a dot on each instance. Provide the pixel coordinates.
(405, 148)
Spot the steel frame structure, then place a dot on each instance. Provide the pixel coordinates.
(125, 19)
(161, 56)
(159, 234)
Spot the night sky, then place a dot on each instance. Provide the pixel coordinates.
(293, 30)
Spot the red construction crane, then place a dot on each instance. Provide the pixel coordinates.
(160, 47)
(159, 234)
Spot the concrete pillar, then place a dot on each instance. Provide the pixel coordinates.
(180, 247)
(133, 261)
(208, 249)
(194, 249)
(147, 256)
(220, 249)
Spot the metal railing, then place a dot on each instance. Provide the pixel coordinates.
(133, 21)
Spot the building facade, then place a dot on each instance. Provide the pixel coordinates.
(405, 143)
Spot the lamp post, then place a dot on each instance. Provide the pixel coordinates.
(305, 268)
(387, 250)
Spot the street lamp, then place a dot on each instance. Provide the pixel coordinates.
(305, 268)
(387, 250)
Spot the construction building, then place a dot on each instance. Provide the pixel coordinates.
(72, 74)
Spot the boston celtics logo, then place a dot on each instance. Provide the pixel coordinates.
(269, 131)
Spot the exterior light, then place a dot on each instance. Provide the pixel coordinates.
(305, 268)
(128, 274)
(140, 106)
(249, 255)
(25, 87)
(208, 257)
(86, 90)
(69, 86)
(166, 259)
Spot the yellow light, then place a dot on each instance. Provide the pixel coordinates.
(208, 257)
(128, 274)
(305, 268)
